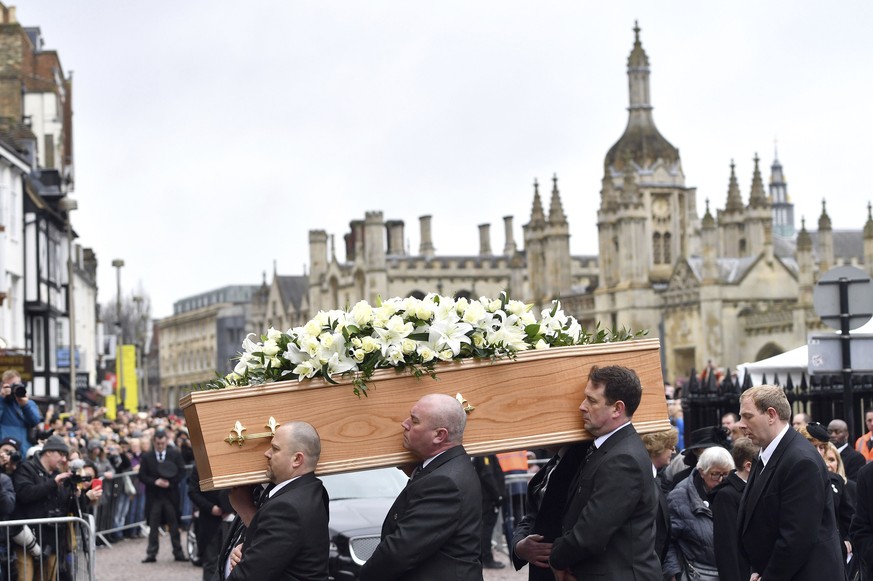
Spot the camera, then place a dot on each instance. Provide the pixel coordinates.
(77, 479)
(19, 389)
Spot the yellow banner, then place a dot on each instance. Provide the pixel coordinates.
(126, 383)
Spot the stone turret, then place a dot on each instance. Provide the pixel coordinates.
(425, 247)
(641, 138)
(484, 239)
(508, 248)
(868, 241)
(710, 247)
(825, 240)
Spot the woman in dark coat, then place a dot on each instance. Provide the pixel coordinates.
(692, 549)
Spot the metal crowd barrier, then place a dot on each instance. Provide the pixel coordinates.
(120, 512)
(48, 548)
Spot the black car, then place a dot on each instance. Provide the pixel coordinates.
(359, 502)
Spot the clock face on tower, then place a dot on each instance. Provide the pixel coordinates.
(660, 208)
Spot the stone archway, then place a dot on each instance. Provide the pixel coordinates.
(769, 350)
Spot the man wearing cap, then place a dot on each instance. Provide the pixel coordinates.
(161, 470)
(787, 528)
(17, 412)
(42, 491)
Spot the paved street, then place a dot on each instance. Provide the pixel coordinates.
(122, 563)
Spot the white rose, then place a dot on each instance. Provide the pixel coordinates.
(541, 344)
(427, 354)
(369, 344)
(408, 346)
(327, 340)
(273, 334)
(359, 355)
(362, 313)
(478, 340)
(271, 348)
(446, 355)
(493, 306)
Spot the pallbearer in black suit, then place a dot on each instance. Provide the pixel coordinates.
(786, 520)
(608, 531)
(287, 537)
(432, 531)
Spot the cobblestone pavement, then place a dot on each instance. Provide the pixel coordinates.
(121, 562)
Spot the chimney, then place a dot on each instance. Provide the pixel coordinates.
(426, 248)
(484, 239)
(395, 237)
(509, 248)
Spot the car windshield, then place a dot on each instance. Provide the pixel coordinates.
(382, 483)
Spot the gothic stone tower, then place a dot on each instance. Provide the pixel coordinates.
(647, 219)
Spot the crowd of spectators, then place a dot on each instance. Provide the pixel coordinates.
(57, 464)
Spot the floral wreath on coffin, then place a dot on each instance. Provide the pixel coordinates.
(407, 334)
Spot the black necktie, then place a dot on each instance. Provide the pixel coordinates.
(416, 471)
(160, 456)
(591, 449)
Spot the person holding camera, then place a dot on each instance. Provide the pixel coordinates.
(43, 490)
(17, 412)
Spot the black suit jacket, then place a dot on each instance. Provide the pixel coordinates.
(609, 526)
(545, 511)
(852, 461)
(148, 474)
(288, 537)
(432, 531)
(725, 506)
(787, 528)
(861, 530)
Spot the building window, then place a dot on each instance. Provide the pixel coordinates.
(38, 344)
(667, 254)
(656, 248)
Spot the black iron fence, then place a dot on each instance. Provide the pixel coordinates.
(704, 402)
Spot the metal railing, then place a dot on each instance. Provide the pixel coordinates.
(48, 548)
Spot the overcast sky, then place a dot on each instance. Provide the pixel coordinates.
(211, 136)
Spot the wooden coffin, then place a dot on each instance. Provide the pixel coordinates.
(530, 402)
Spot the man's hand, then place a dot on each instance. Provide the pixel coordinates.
(94, 495)
(22, 401)
(216, 510)
(162, 482)
(755, 577)
(533, 550)
(235, 556)
(59, 479)
(563, 575)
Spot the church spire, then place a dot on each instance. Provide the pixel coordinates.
(641, 138)
(824, 221)
(638, 74)
(734, 202)
(868, 227)
(757, 197)
(556, 209)
(537, 215)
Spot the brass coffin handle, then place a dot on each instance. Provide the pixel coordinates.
(467, 407)
(237, 437)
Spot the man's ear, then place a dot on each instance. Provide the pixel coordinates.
(441, 435)
(619, 408)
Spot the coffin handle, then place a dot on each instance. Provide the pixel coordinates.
(237, 437)
(467, 407)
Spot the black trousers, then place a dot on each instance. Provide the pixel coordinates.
(162, 510)
(489, 519)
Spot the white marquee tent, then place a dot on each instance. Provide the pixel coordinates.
(793, 363)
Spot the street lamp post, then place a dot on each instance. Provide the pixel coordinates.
(122, 393)
(67, 205)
